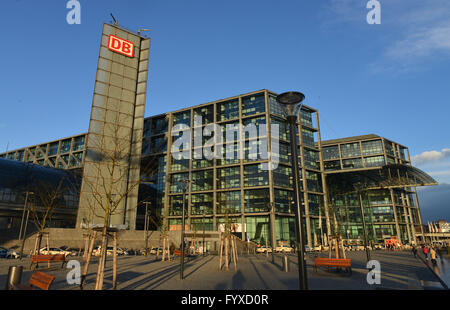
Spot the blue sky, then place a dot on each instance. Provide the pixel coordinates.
(390, 79)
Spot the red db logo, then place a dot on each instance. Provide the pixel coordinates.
(121, 46)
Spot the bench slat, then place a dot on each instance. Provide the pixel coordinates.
(41, 280)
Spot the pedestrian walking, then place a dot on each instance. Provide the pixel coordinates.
(433, 255)
(414, 250)
(425, 251)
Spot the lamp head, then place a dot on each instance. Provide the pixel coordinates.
(290, 102)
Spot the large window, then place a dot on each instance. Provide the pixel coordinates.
(228, 202)
(313, 181)
(330, 152)
(275, 107)
(350, 150)
(182, 118)
(256, 127)
(78, 143)
(205, 113)
(332, 165)
(65, 146)
(282, 176)
(311, 159)
(202, 180)
(258, 229)
(256, 200)
(228, 110)
(176, 182)
(253, 105)
(374, 161)
(306, 118)
(254, 176)
(389, 148)
(53, 149)
(198, 160)
(229, 177)
(308, 137)
(179, 164)
(255, 150)
(352, 163)
(283, 129)
(202, 203)
(176, 205)
(315, 203)
(233, 157)
(284, 201)
(383, 214)
(372, 147)
(159, 125)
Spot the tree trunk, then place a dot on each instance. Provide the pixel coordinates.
(101, 261)
(89, 254)
(163, 250)
(114, 260)
(226, 252)
(220, 252)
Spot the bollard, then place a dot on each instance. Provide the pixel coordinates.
(285, 263)
(14, 276)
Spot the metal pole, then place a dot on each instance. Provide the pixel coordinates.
(204, 249)
(182, 235)
(145, 228)
(272, 228)
(23, 215)
(299, 213)
(25, 232)
(364, 228)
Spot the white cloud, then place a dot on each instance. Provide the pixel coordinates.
(430, 156)
(421, 43)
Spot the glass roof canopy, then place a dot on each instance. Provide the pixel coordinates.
(385, 177)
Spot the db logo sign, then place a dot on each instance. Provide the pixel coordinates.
(121, 46)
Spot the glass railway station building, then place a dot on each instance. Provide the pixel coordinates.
(336, 176)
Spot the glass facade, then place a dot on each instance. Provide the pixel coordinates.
(241, 187)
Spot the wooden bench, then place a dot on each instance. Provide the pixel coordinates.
(36, 259)
(38, 279)
(333, 262)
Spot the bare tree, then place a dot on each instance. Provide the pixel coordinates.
(107, 180)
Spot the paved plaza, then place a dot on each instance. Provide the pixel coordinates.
(399, 270)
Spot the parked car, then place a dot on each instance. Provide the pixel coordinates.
(264, 249)
(284, 249)
(8, 253)
(109, 251)
(73, 251)
(3, 252)
(54, 251)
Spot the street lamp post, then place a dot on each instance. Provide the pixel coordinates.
(291, 103)
(203, 222)
(185, 184)
(359, 188)
(146, 226)
(271, 206)
(22, 234)
(26, 226)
